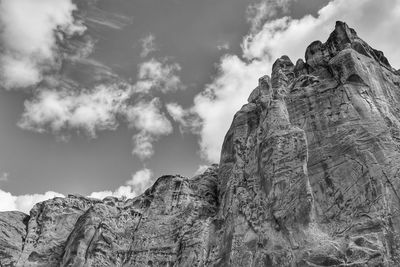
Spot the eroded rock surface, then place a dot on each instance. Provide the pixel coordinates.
(309, 176)
(309, 168)
(171, 223)
(13, 226)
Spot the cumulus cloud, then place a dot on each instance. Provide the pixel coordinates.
(158, 75)
(29, 32)
(152, 123)
(23, 203)
(105, 106)
(148, 45)
(90, 111)
(139, 182)
(271, 37)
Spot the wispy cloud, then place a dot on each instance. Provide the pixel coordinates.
(4, 177)
(158, 75)
(187, 119)
(223, 46)
(152, 124)
(29, 32)
(148, 45)
(264, 10)
(95, 17)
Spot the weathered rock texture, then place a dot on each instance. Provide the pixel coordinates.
(309, 176)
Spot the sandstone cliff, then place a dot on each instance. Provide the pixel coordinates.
(309, 176)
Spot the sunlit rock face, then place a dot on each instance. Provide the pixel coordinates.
(309, 168)
(309, 176)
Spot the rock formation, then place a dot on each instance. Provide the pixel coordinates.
(309, 176)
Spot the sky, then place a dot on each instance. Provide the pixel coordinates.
(101, 97)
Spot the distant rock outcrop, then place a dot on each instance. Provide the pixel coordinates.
(309, 176)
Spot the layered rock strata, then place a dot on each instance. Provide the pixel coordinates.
(309, 176)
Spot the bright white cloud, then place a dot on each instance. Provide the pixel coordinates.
(89, 111)
(222, 98)
(139, 182)
(271, 38)
(158, 75)
(23, 203)
(148, 45)
(28, 34)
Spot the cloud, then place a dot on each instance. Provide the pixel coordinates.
(285, 35)
(90, 111)
(217, 104)
(23, 203)
(4, 177)
(158, 75)
(223, 46)
(139, 182)
(152, 124)
(270, 38)
(29, 32)
(148, 45)
(259, 13)
(148, 117)
(105, 106)
(97, 18)
(143, 145)
(186, 118)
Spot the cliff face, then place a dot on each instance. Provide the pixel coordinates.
(309, 168)
(309, 176)
(169, 224)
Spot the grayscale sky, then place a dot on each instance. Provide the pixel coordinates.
(105, 96)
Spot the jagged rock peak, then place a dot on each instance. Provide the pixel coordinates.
(302, 164)
(341, 38)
